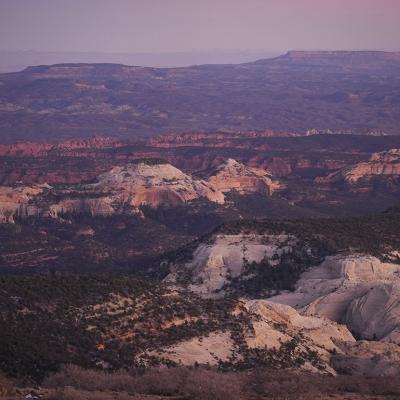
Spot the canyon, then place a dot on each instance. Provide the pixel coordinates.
(178, 187)
(124, 189)
(216, 217)
(346, 300)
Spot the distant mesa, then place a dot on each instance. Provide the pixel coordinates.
(296, 92)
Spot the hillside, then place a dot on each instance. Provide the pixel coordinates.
(299, 294)
(118, 322)
(299, 91)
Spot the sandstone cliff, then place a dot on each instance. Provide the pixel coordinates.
(384, 164)
(124, 189)
(356, 290)
(272, 329)
(214, 264)
(232, 175)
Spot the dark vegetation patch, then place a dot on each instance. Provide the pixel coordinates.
(316, 238)
(206, 384)
(376, 234)
(265, 280)
(115, 322)
(95, 320)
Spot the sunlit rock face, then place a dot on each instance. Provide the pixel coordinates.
(233, 175)
(272, 326)
(155, 185)
(124, 189)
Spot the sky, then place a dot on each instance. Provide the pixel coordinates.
(158, 26)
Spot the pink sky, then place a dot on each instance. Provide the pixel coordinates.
(198, 25)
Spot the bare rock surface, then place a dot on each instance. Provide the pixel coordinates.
(359, 291)
(233, 175)
(16, 201)
(271, 327)
(214, 264)
(124, 189)
(383, 164)
(208, 350)
(159, 184)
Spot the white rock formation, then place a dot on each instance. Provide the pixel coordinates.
(359, 291)
(103, 206)
(123, 189)
(203, 350)
(214, 264)
(273, 325)
(322, 332)
(155, 185)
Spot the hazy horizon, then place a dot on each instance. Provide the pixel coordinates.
(13, 61)
(175, 26)
(179, 33)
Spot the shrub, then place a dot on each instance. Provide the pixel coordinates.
(6, 386)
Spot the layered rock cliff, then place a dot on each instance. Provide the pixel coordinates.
(382, 165)
(232, 175)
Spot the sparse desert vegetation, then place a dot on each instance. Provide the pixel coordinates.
(74, 383)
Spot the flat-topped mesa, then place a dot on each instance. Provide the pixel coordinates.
(385, 164)
(219, 138)
(82, 70)
(341, 53)
(232, 175)
(368, 58)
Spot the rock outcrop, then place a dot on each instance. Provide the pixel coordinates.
(104, 206)
(214, 264)
(359, 291)
(16, 201)
(271, 327)
(345, 293)
(232, 175)
(124, 189)
(155, 185)
(32, 149)
(384, 164)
